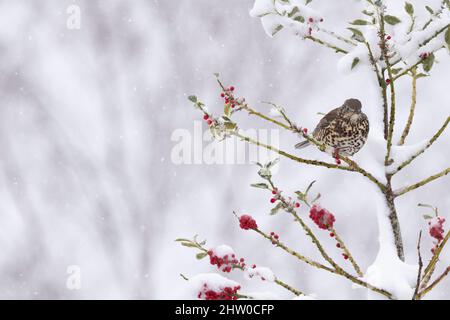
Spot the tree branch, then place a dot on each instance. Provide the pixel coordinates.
(411, 109)
(434, 283)
(404, 190)
(418, 153)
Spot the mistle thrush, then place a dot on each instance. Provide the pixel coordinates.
(343, 130)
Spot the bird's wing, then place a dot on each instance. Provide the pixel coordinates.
(326, 121)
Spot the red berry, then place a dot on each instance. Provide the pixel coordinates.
(388, 38)
(205, 117)
(305, 130)
(321, 19)
(388, 81)
(246, 222)
(332, 234)
(338, 245)
(241, 259)
(232, 106)
(276, 236)
(210, 122)
(231, 88)
(272, 233)
(345, 256)
(311, 19)
(338, 161)
(274, 192)
(222, 95)
(254, 266)
(297, 204)
(273, 200)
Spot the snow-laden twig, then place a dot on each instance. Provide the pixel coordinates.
(421, 183)
(423, 149)
(412, 107)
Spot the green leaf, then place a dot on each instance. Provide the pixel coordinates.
(360, 22)
(227, 109)
(357, 34)
(421, 75)
(182, 240)
(429, 9)
(428, 63)
(270, 164)
(307, 1)
(299, 19)
(367, 13)
(189, 244)
(265, 173)
(277, 29)
(230, 125)
(193, 99)
(276, 208)
(201, 255)
(447, 37)
(355, 62)
(396, 70)
(260, 185)
(427, 216)
(409, 8)
(393, 20)
(293, 12)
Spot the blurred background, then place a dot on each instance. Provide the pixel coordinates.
(87, 119)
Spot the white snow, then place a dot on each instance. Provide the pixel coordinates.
(260, 272)
(388, 271)
(274, 16)
(213, 281)
(401, 154)
(222, 251)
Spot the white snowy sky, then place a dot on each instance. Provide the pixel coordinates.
(86, 176)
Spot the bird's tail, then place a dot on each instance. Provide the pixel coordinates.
(302, 144)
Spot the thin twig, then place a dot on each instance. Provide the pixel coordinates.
(419, 152)
(347, 253)
(326, 44)
(432, 264)
(384, 51)
(419, 184)
(434, 283)
(419, 273)
(411, 109)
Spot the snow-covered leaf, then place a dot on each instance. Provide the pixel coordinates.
(427, 216)
(357, 34)
(431, 11)
(193, 99)
(393, 20)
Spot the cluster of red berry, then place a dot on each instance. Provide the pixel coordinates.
(274, 237)
(277, 196)
(338, 245)
(227, 293)
(225, 263)
(436, 229)
(321, 217)
(247, 222)
(208, 119)
(312, 23)
(228, 97)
